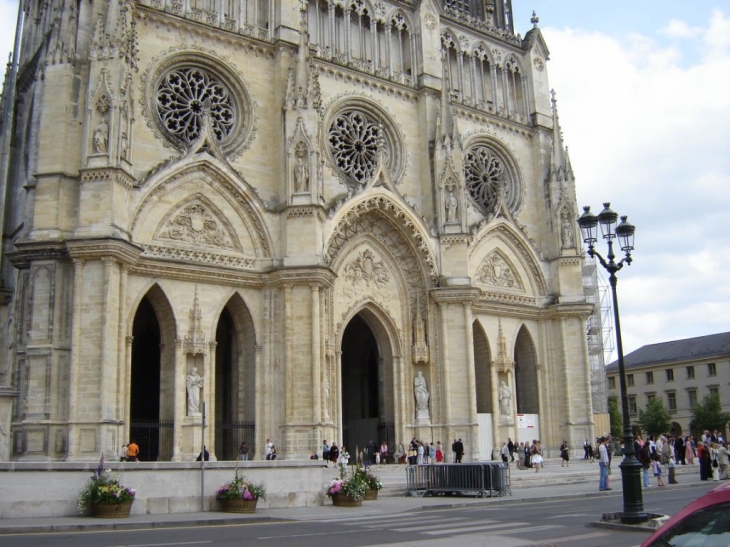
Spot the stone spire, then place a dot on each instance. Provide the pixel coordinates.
(557, 164)
(446, 130)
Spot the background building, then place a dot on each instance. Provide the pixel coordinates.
(348, 220)
(681, 372)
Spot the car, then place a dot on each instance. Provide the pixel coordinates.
(703, 523)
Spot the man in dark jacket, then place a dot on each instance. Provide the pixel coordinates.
(511, 448)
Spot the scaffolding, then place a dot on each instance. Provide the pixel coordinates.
(599, 331)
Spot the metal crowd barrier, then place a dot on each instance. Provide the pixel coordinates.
(483, 479)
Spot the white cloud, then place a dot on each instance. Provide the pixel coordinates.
(679, 29)
(647, 128)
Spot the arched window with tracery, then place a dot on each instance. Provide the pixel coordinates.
(400, 51)
(484, 83)
(515, 84)
(452, 65)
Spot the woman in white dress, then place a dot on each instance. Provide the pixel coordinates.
(536, 456)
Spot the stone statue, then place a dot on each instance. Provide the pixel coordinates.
(101, 137)
(451, 206)
(301, 175)
(420, 391)
(567, 234)
(195, 384)
(505, 399)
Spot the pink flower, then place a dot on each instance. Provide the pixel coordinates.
(247, 495)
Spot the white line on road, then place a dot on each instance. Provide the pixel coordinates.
(164, 544)
(495, 529)
(565, 539)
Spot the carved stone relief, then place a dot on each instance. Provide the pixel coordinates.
(196, 224)
(366, 273)
(496, 271)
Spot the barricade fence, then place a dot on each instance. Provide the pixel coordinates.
(483, 479)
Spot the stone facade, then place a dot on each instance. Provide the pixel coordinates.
(310, 203)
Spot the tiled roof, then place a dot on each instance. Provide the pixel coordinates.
(677, 350)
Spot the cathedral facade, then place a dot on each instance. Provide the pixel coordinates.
(231, 221)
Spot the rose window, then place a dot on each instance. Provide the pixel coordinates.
(353, 139)
(182, 96)
(486, 177)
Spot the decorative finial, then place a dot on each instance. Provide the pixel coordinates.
(534, 20)
(552, 96)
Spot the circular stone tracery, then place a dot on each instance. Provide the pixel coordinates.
(183, 93)
(485, 175)
(353, 139)
(355, 135)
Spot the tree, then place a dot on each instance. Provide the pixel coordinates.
(615, 417)
(708, 415)
(655, 419)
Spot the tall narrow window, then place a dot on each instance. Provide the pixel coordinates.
(670, 375)
(672, 401)
(690, 372)
(650, 377)
(711, 369)
(630, 380)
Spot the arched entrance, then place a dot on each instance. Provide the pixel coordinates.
(235, 381)
(367, 387)
(528, 397)
(150, 398)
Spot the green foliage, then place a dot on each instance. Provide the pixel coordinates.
(354, 484)
(372, 482)
(615, 417)
(103, 487)
(655, 419)
(240, 488)
(709, 416)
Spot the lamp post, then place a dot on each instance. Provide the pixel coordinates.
(630, 466)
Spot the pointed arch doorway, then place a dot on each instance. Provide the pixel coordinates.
(367, 384)
(151, 381)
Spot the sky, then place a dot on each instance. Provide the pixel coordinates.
(643, 94)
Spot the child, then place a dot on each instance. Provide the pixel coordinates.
(656, 465)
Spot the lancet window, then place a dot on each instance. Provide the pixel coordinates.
(353, 35)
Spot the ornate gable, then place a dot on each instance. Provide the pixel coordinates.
(497, 271)
(197, 222)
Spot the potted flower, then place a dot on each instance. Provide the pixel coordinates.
(240, 495)
(347, 492)
(105, 496)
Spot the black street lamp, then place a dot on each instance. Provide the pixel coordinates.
(630, 466)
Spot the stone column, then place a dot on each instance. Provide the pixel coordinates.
(73, 377)
(317, 394)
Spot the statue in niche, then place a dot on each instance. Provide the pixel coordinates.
(451, 207)
(566, 233)
(125, 146)
(194, 383)
(420, 391)
(101, 137)
(505, 399)
(301, 171)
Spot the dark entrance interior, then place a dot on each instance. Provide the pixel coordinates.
(362, 401)
(235, 381)
(145, 382)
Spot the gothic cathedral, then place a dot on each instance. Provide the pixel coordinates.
(294, 220)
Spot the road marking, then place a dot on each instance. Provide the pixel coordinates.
(569, 515)
(442, 526)
(495, 527)
(565, 539)
(164, 544)
(401, 524)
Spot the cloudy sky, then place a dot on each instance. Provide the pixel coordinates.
(643, 91)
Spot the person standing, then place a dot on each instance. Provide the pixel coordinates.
(439, 453)
(723, 461)
(243, 452)
(703, 455)
(334, 454)
(586, 449)
(459, 451)
(644, 456)
(267, 449)
(431, 453)
(603, 465)
(453, 449)
(504, 452)
(511, 447)
(679, 450)
(526, 453)
(564, 455)
(656, 465)
(383, 453)
(325, 451)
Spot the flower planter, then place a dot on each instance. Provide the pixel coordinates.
(111, 510)
(371, 494)
(343, 500)
(238, 506)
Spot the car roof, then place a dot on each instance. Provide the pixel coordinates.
(720, 494)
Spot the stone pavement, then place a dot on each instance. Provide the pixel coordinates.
(553, 482)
